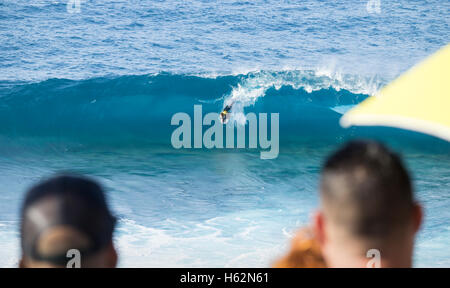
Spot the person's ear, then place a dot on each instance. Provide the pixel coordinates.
(111, 256)
(417, 217)
(319, 227)
(22, 263)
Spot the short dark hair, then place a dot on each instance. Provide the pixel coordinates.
(79, 202)
(366, 189)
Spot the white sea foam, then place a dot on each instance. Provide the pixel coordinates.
(9, 244)
(206, 244)
(255, 85)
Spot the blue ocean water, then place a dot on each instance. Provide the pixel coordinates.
(94, 92)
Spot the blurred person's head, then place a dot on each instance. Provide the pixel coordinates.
(367, 203)
(304, 252)
(65, 213)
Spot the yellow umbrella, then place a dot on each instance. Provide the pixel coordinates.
(418, 100)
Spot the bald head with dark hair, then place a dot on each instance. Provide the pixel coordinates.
(367, 203)
(366, 189)
(63, 213)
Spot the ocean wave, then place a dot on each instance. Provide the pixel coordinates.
(141, 106)
(137, 110)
